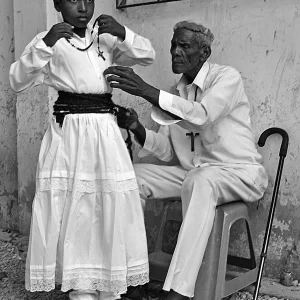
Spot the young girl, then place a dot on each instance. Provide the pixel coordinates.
(87, 229)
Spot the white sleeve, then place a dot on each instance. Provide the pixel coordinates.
(29, 70)
(158, 144)
(135, 49)
(218, 101)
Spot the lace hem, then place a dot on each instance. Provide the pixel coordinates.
(87, 280)
(120, 287)
(117, 286)
(40, 285)
(85, 186)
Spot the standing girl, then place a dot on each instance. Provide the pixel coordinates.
(87, 228)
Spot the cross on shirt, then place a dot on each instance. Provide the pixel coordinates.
(192, 135)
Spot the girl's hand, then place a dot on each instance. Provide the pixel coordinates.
(108, 24)
(58, 31)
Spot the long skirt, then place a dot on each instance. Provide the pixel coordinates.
(87, 227)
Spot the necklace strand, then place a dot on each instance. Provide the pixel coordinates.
(100, 53)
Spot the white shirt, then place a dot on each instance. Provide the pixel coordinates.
(63, 67)
(217, 108)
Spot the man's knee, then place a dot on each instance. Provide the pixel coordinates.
(200, 176)
(199, 182)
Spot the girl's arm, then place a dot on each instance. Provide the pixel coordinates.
(29, 70)
(135, 49)
(128, 48)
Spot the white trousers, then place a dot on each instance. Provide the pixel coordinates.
(201, 190)
(92, 295)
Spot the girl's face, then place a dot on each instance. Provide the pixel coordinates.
(77, 13)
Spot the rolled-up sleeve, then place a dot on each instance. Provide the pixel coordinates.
(29, 69)
(158, 144)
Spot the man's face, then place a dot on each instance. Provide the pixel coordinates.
(78, 13)
(187, 55)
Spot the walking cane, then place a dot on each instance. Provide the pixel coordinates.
(282, 155)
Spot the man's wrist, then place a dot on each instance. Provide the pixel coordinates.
(152, 95)
(139, 132)
(122, 34)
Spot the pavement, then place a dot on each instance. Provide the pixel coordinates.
(13, 247)
(273, 288)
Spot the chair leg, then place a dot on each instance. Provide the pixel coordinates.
(211, 282)
(206, 283)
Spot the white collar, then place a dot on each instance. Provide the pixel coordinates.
(199, 79)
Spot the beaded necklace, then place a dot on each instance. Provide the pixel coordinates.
(100, 53)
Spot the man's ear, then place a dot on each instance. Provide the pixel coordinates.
(57, 5)
(206, 52)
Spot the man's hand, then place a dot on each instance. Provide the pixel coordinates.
(125, 79)
(127, 118)
(58, 31)
(108, 24)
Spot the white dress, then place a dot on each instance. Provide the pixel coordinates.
(87, 228)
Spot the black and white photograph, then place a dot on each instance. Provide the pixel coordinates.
(149, 150)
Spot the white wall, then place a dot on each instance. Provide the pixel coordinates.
(8, 143)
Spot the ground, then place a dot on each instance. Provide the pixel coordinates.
(13, 249)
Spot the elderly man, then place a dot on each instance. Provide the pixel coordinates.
(205, 122)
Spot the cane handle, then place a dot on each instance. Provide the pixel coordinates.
(285, 139)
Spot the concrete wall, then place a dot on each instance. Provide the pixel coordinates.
(8, 133)
(259, 38)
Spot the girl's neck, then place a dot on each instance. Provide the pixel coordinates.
(80, 31)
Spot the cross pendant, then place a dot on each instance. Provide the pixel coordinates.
(192, 135)
(100, 53)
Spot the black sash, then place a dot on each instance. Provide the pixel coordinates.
(72, 103)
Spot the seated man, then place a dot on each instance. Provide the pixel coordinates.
(205, 122)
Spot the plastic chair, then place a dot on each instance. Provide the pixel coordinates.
(214, 280)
